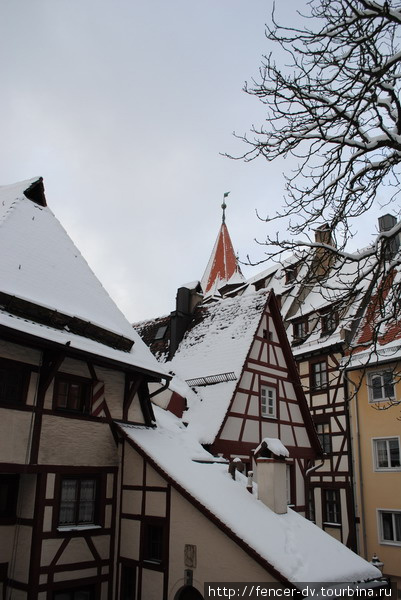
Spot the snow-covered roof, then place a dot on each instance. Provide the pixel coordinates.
(217, 343)
(374, 355)
(41, 264)
(41, 267)
(219, 337)
(295, 547)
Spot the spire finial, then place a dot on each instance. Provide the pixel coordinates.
(224, 206)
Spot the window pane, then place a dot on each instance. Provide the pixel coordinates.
(388, 384)
(397, 526)
(394, 453)
(62, 394)
(155, 542)
(86, 513)
(377, 388)
(68, 501)
(74, 396)
(87, 595)
(387, 521)
(381, 449)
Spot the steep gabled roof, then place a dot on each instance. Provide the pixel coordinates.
(277, 542)
(222, 268)
(214, 348)
(47, 289)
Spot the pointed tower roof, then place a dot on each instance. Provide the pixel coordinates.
(222, 268)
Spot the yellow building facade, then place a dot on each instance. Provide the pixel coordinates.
(376, 432)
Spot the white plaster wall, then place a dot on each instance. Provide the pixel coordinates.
(15, 426)
(190, 526)
(231, 429)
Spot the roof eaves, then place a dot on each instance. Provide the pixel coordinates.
(206, 511)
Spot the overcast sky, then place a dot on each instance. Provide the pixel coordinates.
(124, 107)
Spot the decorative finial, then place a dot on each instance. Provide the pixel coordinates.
(224, 206)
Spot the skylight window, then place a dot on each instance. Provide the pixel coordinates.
(161, 332)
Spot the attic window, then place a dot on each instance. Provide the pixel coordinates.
(267, 335)
(329, 322)
(290, 275)
(300, 329)
(161, 332)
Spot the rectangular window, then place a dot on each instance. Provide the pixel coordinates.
(161, 332)
(8, 498)
(128, 583)
(290, 274)
(390, 526)
(78, 501)
(381, 386)
(84, 593)
(329, 322)
(323, 433)
(153, 541)
(332, 506)
(300, 329)
(72, 393)
(318, 375)
(13, 382)
(387, 453)
(268, 401)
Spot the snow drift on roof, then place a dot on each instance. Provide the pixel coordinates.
(294, 546)
(220, 337)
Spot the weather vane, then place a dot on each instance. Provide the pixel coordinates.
(224, 206)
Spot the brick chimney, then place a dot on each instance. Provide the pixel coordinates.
(387, 222)
(323, 258)
(188, 296)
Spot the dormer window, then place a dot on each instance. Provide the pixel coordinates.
(290, 275)
(300, 330)
(329, 322)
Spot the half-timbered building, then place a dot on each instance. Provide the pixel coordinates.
(235, 383)
(316, 332)
(70, 364)
(186, 521)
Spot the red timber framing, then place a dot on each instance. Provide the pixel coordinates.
(329, 409)
(270, 363)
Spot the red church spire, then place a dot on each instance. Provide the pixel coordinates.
(222, 268)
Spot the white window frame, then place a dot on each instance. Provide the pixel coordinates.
(375, 453)
(370, 386)
(383, 541)
(265, 410)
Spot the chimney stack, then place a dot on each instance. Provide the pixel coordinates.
(387, 222)
(271, 469)
(188, 296)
